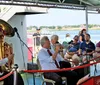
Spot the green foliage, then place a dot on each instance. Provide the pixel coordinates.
(49, 27)
(65, 26)
(59, 27)
(32, 27)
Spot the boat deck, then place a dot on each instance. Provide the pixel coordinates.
(28, 79)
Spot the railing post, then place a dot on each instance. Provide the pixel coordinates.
(86, 18)
(15, 74)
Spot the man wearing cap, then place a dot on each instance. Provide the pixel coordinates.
(3, 60)
(36, 37)
(73, 48)
(6, 55)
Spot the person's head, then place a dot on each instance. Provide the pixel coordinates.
(75, 60)
(97, 53)
(87, 37)
(38, 30)
(59, 46)
(98, 46)
(83, 31)
(67, 35)
(1, 34)
(76, 38)
(45, 42)
(54, 39)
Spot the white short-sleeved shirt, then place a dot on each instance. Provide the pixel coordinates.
(95, 70)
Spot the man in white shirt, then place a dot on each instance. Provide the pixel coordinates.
(95, 69)
(54, 42)
(50, 60)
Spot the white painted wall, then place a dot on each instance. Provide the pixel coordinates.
(19, 21)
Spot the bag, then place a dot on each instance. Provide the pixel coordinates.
(64, 64)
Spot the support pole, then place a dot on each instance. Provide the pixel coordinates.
(15, 74)
(86, 18)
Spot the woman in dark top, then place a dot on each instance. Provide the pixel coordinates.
(81, 35)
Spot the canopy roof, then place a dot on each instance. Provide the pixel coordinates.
(69, 4)
(91, 2)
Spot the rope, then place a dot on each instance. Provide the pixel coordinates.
(64, 69)
(7, 75)
(58, 70)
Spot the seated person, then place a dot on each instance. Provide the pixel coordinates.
(94, 69)
(96, 72)
(73, 48)
(66, 41)
(86, 51)
(54, 40)
(49, 60)
(75, 60)
(61, 52)
(87, 47)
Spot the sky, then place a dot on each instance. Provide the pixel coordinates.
(61, 17)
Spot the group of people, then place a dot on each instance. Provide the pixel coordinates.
(54, 55)
(49, 60)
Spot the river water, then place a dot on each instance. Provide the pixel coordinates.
(95, 35)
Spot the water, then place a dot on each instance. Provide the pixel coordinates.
(95, 35)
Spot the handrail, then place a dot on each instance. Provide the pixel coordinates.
(5, 76)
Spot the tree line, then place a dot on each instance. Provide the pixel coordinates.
(62, 27)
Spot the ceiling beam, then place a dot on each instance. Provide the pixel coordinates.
(37, 3)
(44, 4)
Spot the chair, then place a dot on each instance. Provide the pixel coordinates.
(64, 79)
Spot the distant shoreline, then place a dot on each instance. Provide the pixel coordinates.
(74, 29)
(67, 29)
